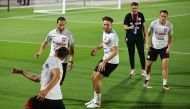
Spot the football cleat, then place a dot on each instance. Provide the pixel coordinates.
(93, 105)
(91, 101)
(166, 87)
(146, 85)
(132, 73)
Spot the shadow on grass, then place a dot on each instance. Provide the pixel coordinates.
(113, 97)
(179, 73)
(69, 101)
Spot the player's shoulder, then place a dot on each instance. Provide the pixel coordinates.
(68, 33)
(114, 34)
(140, 13)
(169, 23)
(53, 31)
(128, 15)
(155, 22)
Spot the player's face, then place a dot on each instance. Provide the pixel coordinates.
(134, 9)
(163, 17)
(61, 25)
(107, 26)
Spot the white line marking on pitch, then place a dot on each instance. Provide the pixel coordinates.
(83, 46)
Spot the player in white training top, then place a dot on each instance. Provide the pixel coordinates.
(162, 31)
(59, 37)
(109, 62)
(49, 96)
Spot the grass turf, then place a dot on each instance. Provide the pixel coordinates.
(22, 31)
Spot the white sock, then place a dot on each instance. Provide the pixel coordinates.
(164, 81)
(148, 77)
(97, 97)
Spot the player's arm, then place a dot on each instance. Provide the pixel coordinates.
(126, 23)
(144, 30)
(55, 78)
(147, 40)
(147, 36)
(112, 55)
(70, 65)
(126, 27)
(170, 39)
(42, 48)
(26, 74)
(101, 66)
(93, 52)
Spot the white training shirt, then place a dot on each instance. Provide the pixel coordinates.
(110, 40)
(46, 76)
(160, 33)
(57, 39)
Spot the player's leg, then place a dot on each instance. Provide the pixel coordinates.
(140, 48)
(151, 57)
(165, 73)
(164, 56)
(148, 71)
(97, 85)
(109, 68)
(131, 52)
(93, 99)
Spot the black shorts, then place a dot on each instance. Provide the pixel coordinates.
(153, 54)
(46, 104)
(108, 68)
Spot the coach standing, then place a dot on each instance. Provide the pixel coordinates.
(135, 31)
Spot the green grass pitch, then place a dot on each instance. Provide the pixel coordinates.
(22, 31)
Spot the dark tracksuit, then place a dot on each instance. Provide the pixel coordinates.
(135, 37)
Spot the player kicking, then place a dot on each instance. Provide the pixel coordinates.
(109, 63)
(162, 31)
(49, 96)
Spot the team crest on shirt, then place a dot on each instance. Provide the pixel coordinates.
(63, 39)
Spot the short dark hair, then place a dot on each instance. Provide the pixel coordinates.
(164, 11)
(60, 19)
(107, 18)
(62, 52)
(134, 4)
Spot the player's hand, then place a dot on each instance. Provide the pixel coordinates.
(70, 65)
(42, 94)
(93, 52)
(37, 55)
(101, 66)
(132, 27)
(167, 50)
(17, 71)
